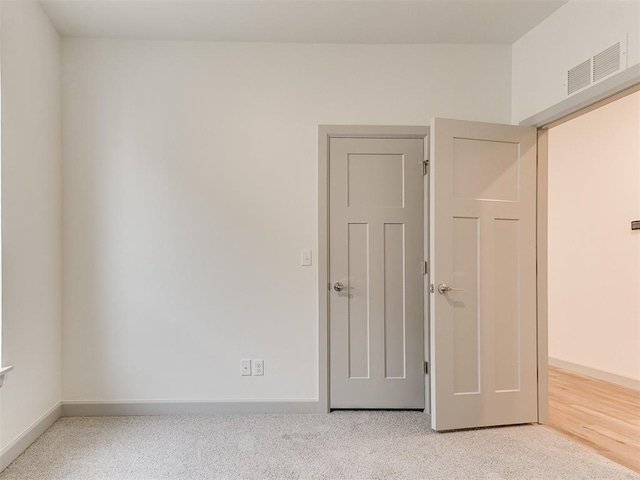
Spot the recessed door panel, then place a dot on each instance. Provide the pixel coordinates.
(358, 310)
(485, 169)
(375, 180)
(394, 301)
(507, 304)
(466, 314)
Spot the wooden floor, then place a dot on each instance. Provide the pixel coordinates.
(601, 415)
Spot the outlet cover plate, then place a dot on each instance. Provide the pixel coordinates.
(258, 367)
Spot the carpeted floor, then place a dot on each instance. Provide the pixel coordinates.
(346, 445)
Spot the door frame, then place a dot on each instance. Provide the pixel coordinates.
(325, 134)
(542, 293)
(608, 91)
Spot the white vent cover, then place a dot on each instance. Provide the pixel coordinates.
(579, 77)
(597, 68)
(606, 62)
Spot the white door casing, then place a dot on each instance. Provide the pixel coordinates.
(483, 344)
(376, 323)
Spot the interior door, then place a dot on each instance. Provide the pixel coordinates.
(376, 323)
(483, 344)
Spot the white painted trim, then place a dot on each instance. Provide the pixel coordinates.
(542, 287)
(595, 373)
(611, 86)
(30, 435)
(325, 133)
(97, 409)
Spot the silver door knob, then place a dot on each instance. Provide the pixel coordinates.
(444, 288)
(338, 287)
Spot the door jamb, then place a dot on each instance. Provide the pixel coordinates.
(541, 274)
(325, 133)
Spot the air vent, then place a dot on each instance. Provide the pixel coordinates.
(579, 77)
(606, 62)
(598, 67)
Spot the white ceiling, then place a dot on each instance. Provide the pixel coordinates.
(302, 21)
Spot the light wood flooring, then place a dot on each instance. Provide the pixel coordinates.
(601, 415)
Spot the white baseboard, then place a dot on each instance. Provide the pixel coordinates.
(30, 435)
(592, 372)
(97, 409)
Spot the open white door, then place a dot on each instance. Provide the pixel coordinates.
(483, 274)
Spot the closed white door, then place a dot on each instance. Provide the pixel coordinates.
(375, 268)
(483, 257)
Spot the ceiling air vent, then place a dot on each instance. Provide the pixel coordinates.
(579, 77)
(606, 62)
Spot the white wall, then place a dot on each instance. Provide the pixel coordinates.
(594, 257)
(576, 31)
(190, 186)
(31, 217)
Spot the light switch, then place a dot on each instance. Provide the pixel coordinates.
(245, 367)
(305, 257)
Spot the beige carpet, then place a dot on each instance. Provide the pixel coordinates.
(346, 445)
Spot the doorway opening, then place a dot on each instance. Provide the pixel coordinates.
(594, 278)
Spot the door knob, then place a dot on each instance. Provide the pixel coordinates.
(444, 288)
(338, 287)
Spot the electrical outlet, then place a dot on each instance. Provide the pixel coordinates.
(245, 367)
(258, 367)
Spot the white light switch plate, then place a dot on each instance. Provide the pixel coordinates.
(305, 257)
(245, 368)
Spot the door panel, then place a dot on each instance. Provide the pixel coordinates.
(466, 332)
(358, 305)
(376, 322)
(483, 239)
(394, 315)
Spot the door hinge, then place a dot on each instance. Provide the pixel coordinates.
(425, 167)
(425, 268)
(426, 368)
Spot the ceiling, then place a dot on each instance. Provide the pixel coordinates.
(302, 21)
